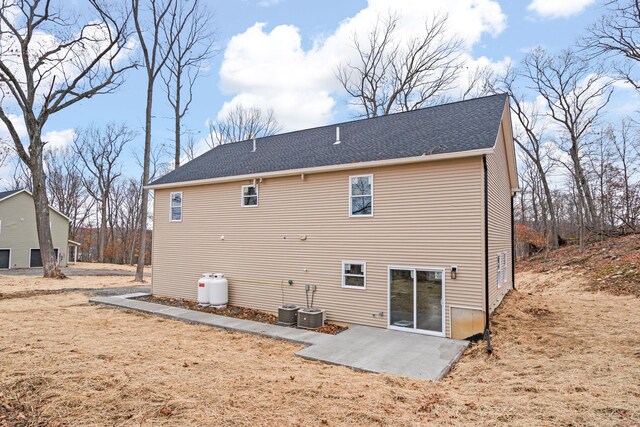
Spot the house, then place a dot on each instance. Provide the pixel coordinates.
(402, 221)
(19, 247)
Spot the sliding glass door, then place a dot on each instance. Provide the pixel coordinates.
(416, 300)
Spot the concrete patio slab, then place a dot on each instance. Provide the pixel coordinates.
(392, 352)
(360, 347)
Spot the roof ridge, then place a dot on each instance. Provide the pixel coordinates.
(364, 119)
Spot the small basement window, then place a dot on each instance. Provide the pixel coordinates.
(505, 268)
(500, 276)
(354, 274)
(176, 206)
(249, 196)
(361, 195)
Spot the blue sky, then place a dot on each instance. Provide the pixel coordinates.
(287, 62)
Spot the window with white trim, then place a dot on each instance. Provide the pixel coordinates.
(361, 195)
(249, 196)
(354, 274)
(176, 206)
(505, 269)
(499, 266)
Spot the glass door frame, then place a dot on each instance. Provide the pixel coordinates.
(415, 314)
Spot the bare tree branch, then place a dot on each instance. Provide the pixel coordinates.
(241, 124)
(49, 62)
(391, 75)
(192, 48)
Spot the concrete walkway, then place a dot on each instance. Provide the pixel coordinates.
(360, 347)
(300, 336)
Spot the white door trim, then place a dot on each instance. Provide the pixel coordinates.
(415, 277)
(10, 253)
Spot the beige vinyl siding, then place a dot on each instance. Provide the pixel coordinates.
(499, 219)
(18, 230)
(425, 215)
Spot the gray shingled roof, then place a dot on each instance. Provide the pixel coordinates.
(4, 194)
(459, 126)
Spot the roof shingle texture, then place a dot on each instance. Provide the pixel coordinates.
(448, 128)
(4, 194)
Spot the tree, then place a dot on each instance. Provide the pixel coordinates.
(575, 93)
(99, 150)
(617, 34)
(124, 217)
(48, 63)
(154, 19)
(66, 188)
(192, 47)
(391, 75)
(622, 141)
(21, 177)
(5, 152)
(241, 123)
(528, 135)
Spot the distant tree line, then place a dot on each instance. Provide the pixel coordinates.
(578, 168)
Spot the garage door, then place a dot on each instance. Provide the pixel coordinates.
(5, 256)
(36, 258)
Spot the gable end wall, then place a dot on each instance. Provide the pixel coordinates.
(18, 230)
(499, 220)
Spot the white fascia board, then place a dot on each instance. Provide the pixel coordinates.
(321, 169)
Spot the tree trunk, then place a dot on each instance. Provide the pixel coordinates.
(43, 223)
(142, 243)
(178, 120)
(103, 228)
(553, 226)
(583, 185)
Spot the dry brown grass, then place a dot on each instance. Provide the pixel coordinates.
(14, 284)
(562, 357)
(107, 266)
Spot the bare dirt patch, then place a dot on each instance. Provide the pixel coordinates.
(612, 265)
(562, 356)
(236, 312)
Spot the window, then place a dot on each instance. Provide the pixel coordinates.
(361, 195)
(354, 274)
(249, 196)
(502, 268)
(505, 269)
(176, 206)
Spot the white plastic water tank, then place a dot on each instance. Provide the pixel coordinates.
(219, 290)
(204, 285)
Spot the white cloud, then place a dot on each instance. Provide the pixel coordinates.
(271, 69)
(268, 3)
(57, 139)
(18, 125)
(558, 8)
(61, 60)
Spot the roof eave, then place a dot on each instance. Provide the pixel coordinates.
(321, 169)
(24, 190)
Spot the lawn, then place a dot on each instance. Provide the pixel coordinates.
(563, 356)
